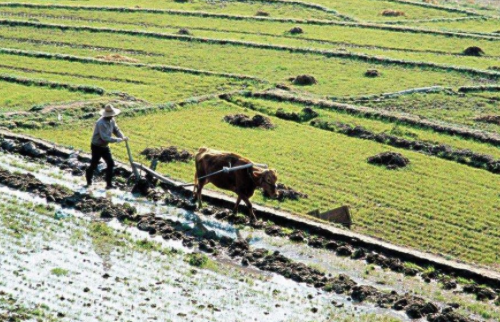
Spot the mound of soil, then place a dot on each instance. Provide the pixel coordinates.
(184, 31)
(391, 160)
(473, 51)
(448, 317)
(170, 154)
(243, 120)
(9, 146)
(283, 87)
(296, 31)
(372, 73)
(492, 119)
(261, 13)
(482, 292)
(147, 189)
(117, 58)
(305, 115)
(393, 13)
(285, 192)
(304, 80)
(30, 150)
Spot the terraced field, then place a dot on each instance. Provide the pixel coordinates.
(389, 75)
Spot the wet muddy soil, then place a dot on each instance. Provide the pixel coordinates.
(208, 232)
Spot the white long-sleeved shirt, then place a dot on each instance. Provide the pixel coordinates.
(103, 131)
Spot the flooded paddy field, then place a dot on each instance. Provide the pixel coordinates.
(63, 264)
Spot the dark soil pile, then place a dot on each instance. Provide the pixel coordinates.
(492, 119)
(473, 51)
(391, 160)
(304, 80)
(243, 120)
(66, 198)
(30, 150)
(305, 115)
(147, 189)
(184, 31)
(393, 13)
(296, 31)
(170, 154)
(261, 13)
(285, 192)
(372, 73)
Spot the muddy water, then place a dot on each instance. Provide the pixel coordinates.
(145, 285)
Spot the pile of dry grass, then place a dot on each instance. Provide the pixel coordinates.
(391, 160)
(473, 51)
(393, 13)
(304, 80)
(117, 58)
(372, 73)
(169, 154)
(184, 31)
(243, 120)
(296, 31)
(261, 13)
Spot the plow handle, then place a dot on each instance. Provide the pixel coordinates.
(134, 169)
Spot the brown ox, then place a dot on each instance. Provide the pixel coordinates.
(242, 182)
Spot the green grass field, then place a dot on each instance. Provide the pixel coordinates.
(434, 205)
(16, 97)
(432, 197)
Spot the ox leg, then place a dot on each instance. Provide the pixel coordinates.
(198, 192)
(250, 209)
(235, 210)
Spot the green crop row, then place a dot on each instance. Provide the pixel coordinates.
(336, 76)
(401, 29)
(275, 11)
(16, 97)
(270, 107)
(390, 46)
(386, 114)
(449, 42)
(150, 85)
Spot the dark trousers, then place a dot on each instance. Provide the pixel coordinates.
(99, 152)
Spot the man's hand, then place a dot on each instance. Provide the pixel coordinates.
(125, 138)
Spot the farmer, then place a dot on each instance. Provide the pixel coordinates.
(104, 128)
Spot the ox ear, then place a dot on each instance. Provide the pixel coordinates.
(257, 175)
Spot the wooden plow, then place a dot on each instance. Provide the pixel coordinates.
(341, 215)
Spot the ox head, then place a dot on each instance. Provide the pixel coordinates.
(266, 180)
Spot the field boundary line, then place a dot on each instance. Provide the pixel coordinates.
(55, 85)
(326, 53)
(479, 274)
(418, 90)
(483, 88)
(397, 22)
(413, 120)
(91, 60)
(74, 45)
(306, 5)
(394, 28)
(438, 7)
(112, 79)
